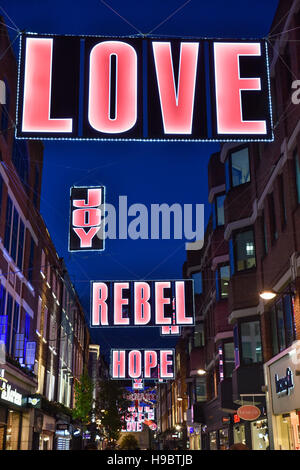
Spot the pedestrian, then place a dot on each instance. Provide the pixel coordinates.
(238, 446)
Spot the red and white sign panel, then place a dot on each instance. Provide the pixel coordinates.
(86, 219)
(147, 364)
(248, 412)
(143, 89)
(136, 416)
(142, 303)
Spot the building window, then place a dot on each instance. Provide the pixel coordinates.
(282, 201)
(218, 211)
(251, 346)
(14, 234)
(222, 281)
(297, 174)
(228, 358)
(201, 392)
(264, 234)
(244, 250)
(272, 215)
(5, 111)
(282, 324)
(199, 336)
(31, 260)
(240, 167)
(9, 208)
(197, 282)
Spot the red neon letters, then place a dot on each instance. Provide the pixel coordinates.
(131, 303)
(116, 87)
(134, 364)
(37, 89)
(177, 106)
(229, 86)
(125, 86)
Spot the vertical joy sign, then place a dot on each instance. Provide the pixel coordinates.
(86, 219)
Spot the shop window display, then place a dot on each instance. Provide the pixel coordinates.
(260, 435)
(224, 439)
(213, 441)
(239, 435)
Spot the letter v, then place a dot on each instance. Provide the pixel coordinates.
(177, 106)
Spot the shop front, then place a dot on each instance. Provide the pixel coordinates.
(254, 435)
(48, 433)
(15, 420)
(217, 431)
(283, 398)
(194, 433)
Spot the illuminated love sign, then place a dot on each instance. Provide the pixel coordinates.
(142, 303)
(86, 214)
(143, 89)
(136, 364)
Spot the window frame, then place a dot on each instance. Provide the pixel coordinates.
(274, 308)
(243, 230)
(218, 281)
(231, 152)
(251, 319)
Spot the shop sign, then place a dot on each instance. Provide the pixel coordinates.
(34, 401)
(134, 364)
(142, 303)
(248, 412)
(143, 89)
(8, 393)
(225, 419)
(86, 219)
(284, 384)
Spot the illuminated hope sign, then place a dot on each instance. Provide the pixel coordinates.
(142, 303)
(135, 364)
(143, 89)
(86, 219)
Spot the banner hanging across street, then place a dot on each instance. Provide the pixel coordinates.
(149, 364)
(134, 88)
(165, 304)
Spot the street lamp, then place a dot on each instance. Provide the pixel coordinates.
(269, 294)
(201, 372)
(179, 398)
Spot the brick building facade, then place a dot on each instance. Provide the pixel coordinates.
(244, 349)
(44, 338)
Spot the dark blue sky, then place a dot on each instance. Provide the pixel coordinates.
(145, 172)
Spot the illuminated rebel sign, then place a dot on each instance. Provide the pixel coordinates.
(146, 363)
(86, 219)
(142, 303)
(143, 89)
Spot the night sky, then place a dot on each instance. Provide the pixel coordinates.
(144, 172)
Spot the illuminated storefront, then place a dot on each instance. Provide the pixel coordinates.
(15, 420)
(283, 398)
